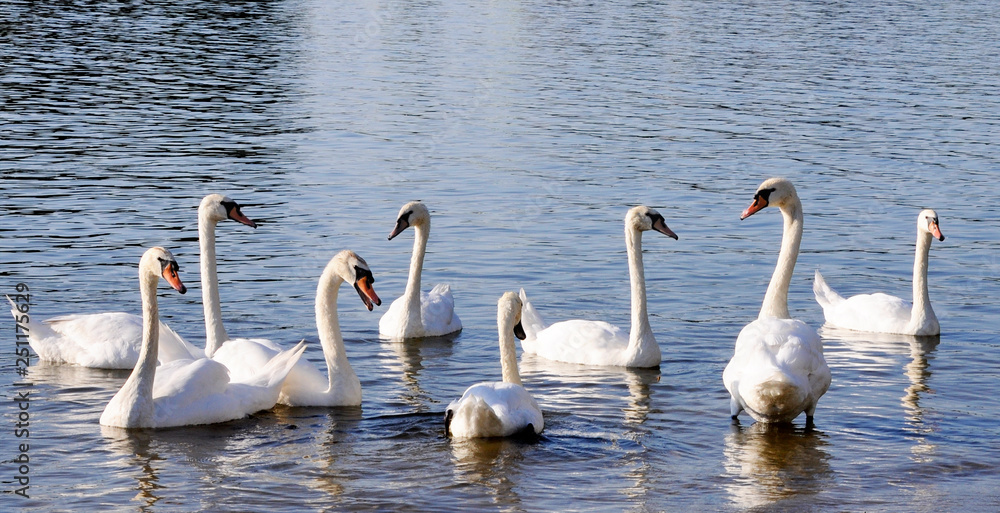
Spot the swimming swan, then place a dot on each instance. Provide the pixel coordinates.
(498, 409)
(597, 342)
(185, 392)
(882, 313)
(112, 340)
(778, 369)
(416, 313)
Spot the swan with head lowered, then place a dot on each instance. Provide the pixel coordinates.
(416, 313)
(882, 313)
(306, 385)
(778, 370)
(503, 408)
(112, 340)
(597, 342)
(185, 392)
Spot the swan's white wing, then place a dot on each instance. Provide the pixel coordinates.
(437, 311)
(580, 341)
(778, 369)
(531, 320)
(494, 409)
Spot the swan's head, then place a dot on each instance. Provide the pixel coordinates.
(413, 213)
(774, 191)
(217, 207)
(159, 262)
(509, 313)
(353, 269)
(643, 218)
(927, 221)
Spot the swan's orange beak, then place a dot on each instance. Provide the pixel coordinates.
(367, 293)
(759, 202)
(236, 215)
(170, 274)
(935, 230)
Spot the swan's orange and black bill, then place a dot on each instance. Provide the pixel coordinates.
(364, 287)
(234, 213)
(935, 230)
(760, 200)
(170, 274)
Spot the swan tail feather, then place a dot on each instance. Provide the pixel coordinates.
(531, 320)
(825, 296)
(273, 374)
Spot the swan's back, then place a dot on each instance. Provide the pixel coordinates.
(437, 311)
(778, 370)
(493, 410)
(878, 312)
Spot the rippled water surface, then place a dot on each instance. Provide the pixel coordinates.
(528, 128)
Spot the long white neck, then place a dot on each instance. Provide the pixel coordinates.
(508, 355)
(328, 324)
(411, 296)
(137, 392)
(921, 298)
(641, 339)
(215, 332)
(776, 299)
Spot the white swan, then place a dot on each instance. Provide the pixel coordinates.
(306, 385)
(112, 340)
(882, 313)
(778, 370)
(498, 409)
(185, 392)
(415, 313)
(597, 342)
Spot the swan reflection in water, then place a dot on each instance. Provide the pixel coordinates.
(879, 353)
(771, 463)
(409, 363)
(493, 463)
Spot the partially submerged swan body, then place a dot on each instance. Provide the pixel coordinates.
(191, 391)
(417, 313)
(778, 370)
(597, 342)
(882, 313)
(498, 409)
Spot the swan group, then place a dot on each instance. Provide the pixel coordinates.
(777, 370)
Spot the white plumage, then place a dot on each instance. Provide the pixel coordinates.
(882, 313)
(417, 313)
(597, 342)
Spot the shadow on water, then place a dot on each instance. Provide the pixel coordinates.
(770, 463)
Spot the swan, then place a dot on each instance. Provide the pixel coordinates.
(306, 385)
(597, 342)
(498, 409)
(778, 369)
(112, 340)
(185, 392)
(415, 313)
(882, 313)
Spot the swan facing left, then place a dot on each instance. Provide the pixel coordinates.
(777, 370)
(185, 392)
(498, 409)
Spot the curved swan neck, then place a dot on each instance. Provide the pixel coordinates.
(215, 332)
(328, 325)
(137, 392)
(508, 354)
(412, 294)
(776, 299)
(921, 296)
(640, 333)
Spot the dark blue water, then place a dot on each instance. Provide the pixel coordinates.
(529, 129)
